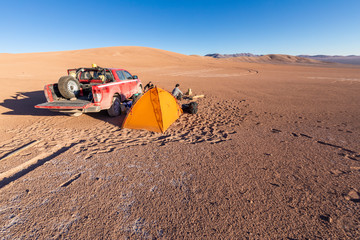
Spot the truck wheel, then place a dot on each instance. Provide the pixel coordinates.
(115, 109)
(69, 87)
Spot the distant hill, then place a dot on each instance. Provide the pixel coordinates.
(249, 57)
(351, 59)
(281, 58)
(218, 55)
(270, 58)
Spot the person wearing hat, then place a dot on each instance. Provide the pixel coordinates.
(176, 92)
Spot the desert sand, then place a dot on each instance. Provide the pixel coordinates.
(273, 153)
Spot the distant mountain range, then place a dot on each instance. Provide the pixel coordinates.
(351, 59)
(218, 55)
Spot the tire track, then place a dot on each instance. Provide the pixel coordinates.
(20, 149)
(30, 165)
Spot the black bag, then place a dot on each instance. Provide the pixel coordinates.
(191, 108)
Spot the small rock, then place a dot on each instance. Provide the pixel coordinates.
(326, 218)
(353, 195)
(336, 172)
(274, 130)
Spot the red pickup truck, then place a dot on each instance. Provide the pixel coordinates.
(91, 90)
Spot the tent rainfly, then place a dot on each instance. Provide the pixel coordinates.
(155, 111)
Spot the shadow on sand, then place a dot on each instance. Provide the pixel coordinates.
(22, 103)
(103, 116)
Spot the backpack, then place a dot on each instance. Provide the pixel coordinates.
(191, 108)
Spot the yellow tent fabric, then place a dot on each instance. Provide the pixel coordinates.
(155, 111)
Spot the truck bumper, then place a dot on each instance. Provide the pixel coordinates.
(69, 106)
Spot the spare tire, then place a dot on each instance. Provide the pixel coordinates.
(69, 87)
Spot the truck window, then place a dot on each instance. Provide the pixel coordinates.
(128, 75)
(109, 76)
(86, 76)
(120, 75)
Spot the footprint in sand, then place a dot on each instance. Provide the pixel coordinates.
(210, 124)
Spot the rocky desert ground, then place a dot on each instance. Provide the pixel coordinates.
(273, 153)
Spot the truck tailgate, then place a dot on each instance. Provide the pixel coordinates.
(66, 104)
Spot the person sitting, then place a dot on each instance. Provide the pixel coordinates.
(148, 86)
(176, 92)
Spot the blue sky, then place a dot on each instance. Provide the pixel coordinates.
(184, 26)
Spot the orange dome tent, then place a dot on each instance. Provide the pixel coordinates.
(155, 111)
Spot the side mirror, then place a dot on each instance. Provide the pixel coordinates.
(135, 77)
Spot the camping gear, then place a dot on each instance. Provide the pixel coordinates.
(128, 104)
(191, 108)
(197, 96)
(148, 86)
(189, 92)
(123, 108)
(179, 96)
(136, 97)
(155, 111)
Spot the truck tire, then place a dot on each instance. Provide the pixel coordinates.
(69, 87)
(115, 109)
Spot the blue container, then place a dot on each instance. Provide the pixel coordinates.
(128, 104)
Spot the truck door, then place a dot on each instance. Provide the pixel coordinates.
(123, 86)
(132, 84)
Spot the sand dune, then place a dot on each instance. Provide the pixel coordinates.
(274, 152)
